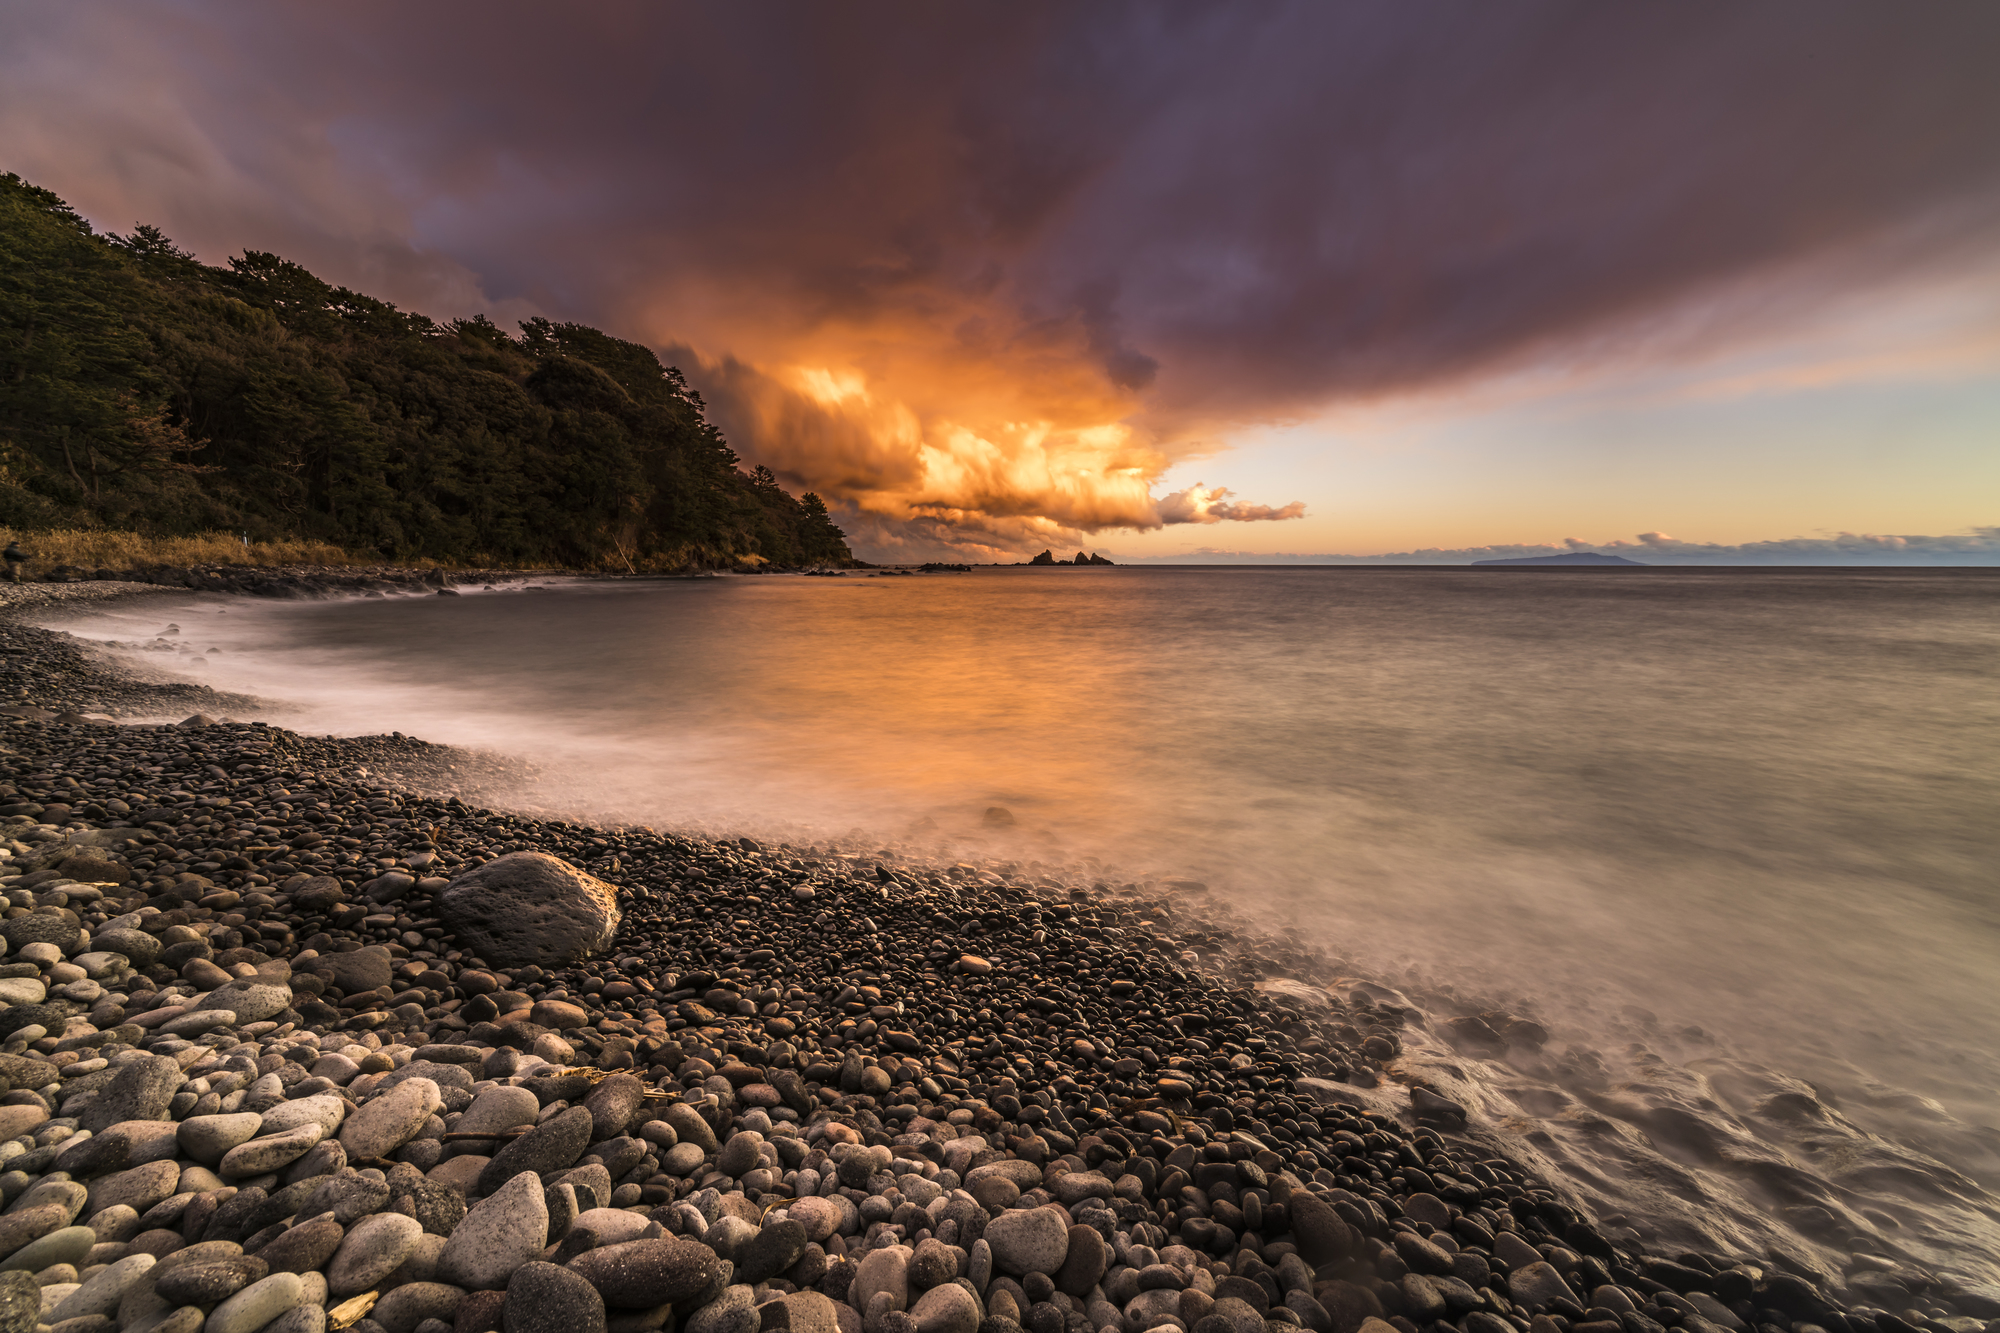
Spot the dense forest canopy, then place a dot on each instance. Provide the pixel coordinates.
(142, 389)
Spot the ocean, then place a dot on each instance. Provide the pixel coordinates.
(1731, 836)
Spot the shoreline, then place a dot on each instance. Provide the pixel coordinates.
(1054, 1032)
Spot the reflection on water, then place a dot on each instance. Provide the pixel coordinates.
(1760, 804)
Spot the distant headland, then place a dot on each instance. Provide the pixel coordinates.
(1570, 559)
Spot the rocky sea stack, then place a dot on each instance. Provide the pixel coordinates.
(290, 1047)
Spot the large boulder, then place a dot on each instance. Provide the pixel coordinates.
(529, 907)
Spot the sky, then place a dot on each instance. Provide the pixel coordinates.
(1167, 281)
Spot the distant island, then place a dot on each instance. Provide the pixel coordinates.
(1572, 558)
(1048, 558)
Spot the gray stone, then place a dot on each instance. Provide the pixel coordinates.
(141, 949)
(1151, 1308)
(207, 1283)
(1535, 1285)
(261, 1156)
(127, 1144)
(251, 1000)
(613, 1226)
(550, 1146)
(374, 1248)
(1074, 1187)
(408, 1305)
(741, 1153)
(801, 1312)
(67, 1246)
(882, 1272)
(528, 907)
(207, 1137)
(932, 1263)
(141, 1089)
(820, 1217)
(324, 1109)
(771, 1251)
(949, 1308)
(640, 1274)
(347, 1195)
(734, 1311)
(257, 1304)
(140, 1188)
(101, 1292)
(1028, 1240)
(306, 1318)
(389, 1121)
(689, 1125)
(683, 1159)
(498, 1235)
(303, 1248)
(363, 969)
(611, 1105)
(498, 1109)
(543, 1298)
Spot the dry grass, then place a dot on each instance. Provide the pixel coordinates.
(91, 548)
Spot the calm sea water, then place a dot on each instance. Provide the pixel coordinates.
(1763, 805)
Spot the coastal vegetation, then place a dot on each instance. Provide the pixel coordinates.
(146, 392)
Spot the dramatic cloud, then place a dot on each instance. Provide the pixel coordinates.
(1203, 504)
(1981, 546)
(997, 268)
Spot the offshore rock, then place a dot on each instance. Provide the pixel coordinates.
(530, 908)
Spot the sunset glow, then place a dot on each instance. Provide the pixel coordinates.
(1062, 285)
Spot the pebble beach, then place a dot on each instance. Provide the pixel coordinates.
(298, 1035)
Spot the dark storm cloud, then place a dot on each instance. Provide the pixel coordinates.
(1175, 217)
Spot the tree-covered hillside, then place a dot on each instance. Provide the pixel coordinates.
(142, 389)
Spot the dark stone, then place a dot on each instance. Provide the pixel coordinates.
(549, 1146)
(770, 1252)
(611, 1106)
(640, 1274)
(542, 1298)
(206, 1284)
(363, 969)
(304, 1248)
(40, 928)
(141, 1089)
(141, 949)
(529, 908)
(1322, 1237)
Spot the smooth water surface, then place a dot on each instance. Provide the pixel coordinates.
(1763, 803)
